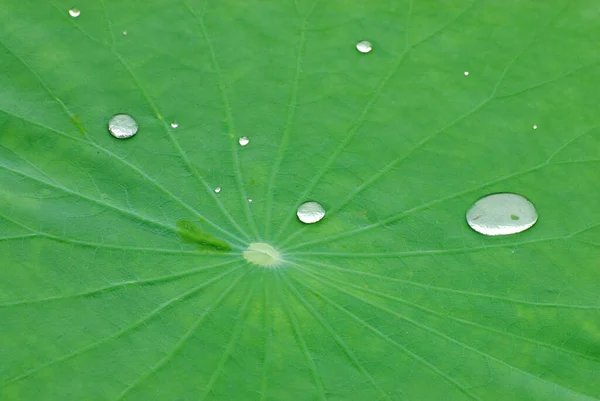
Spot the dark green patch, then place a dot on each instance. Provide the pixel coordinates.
(190, 234)
(514, 217)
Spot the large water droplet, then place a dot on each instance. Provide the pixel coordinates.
(122, 126)
(364, 46)
(74, 12)
(244, 141)
(310, 212)
(218, 189)
(174, 125)
(502, 214)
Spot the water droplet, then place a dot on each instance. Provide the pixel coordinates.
(262, 254)
(502, 214)
(310, 212)
(74, 12)
(364, 46)
(122, 126)
(249, 200)
(466, 73)
(244, 141)
(174, 125)
(535, 127)
(125, 33)
(218, 189)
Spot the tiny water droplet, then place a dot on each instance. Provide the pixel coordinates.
(244, 141)
(249, 200)
(364, 46)
(125, 33)
(122, 126)
(310, 212)
(74, 12)
(174, 125)
(218, 189)
(466, 73)
(502, 214)
(535, 127)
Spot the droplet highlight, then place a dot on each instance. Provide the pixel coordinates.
(466, 73)
(74, 12)
(310, 212)
(174, 125)
(244, 141)
(122, 126)
(249, 200)
(502, 214)
(364, 46)
(217, 190)
(535, 127)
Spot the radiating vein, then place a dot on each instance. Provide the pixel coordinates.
(335, 336)
(228, 117)
(188, 334)
(119, 285)
(235, 336)
(291, 115)
(448, 338)
(268, 322)
(155, 312)
(408, 352)
(443, 289)
(301, 341)
(331, 281)
(116, 157)
(357, 123)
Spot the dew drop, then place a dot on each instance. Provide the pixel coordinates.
(244, 141)
(217, 189)
(174, 125)
(122, 126)
(466, 73)
(502, 214)
(74, 12)
(535, 127)
(124, 33)
(249, 200)
(310, 212)
(364, 46)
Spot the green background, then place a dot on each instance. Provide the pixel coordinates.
(392, 296)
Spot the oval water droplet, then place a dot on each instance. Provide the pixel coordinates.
(502, 214)
(364, 46)
(244, 141)
(535, 127)
(124, 33)
(218, 189)
(249, 200)
(74, 12)
(122, 126)
(310, 212)
(466, 73)
(174, 125)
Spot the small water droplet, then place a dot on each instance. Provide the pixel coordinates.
(218, 189)
(310, 212)
(364, 46)
(502, 214)
(466, 73)
(122, 126)
(125, 33)
(74, 12)
(249, 200)
(174, 125)
(535, 127)
(244, 141)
